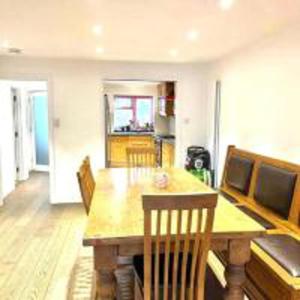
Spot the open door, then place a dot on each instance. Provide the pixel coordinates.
(16, 129)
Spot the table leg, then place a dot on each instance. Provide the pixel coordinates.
(238, 255)
(105, 263)
(106, 284)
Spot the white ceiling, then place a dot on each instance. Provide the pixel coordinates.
(140, 30)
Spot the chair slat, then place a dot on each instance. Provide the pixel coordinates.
(176, 255)
(157, 253)
(195, 253)
(147, 255)
(204, 253)
(185, 254)
(140, 157)
(167, 255)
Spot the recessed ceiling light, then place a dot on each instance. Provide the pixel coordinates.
(99, 50)
(5, 44)
(226, 4)
(173, 52)
(97, 29)
(192, 35)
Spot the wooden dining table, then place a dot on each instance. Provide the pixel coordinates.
(115, 225)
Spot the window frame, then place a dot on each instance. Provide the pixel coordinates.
(134, 99)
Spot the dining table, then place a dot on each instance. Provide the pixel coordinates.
(115, 225)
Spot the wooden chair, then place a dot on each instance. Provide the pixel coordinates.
(141, 157)
(90, 176)
(179, 226)
(86, 183)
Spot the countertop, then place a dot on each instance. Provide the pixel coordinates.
(169, 140)
(164, 138)
(131, 133)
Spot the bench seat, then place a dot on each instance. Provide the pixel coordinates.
(267, 190)
(284, 249)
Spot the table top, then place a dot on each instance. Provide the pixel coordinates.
(116, 212)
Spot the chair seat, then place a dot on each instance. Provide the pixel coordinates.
(284, 249)
(213, 288)
(259, 219)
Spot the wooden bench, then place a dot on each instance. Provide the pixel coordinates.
(268, 190)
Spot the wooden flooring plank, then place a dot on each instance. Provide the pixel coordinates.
(36, 240)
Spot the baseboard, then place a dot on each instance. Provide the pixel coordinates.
(41, 168)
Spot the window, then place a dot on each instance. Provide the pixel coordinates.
(138, 109)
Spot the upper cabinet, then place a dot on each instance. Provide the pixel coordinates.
(166, 98)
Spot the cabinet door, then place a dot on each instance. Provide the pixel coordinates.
(118, 147)
(167, 155)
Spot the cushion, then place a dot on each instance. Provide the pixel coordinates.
(228, 197)
(275, 189)
(284, 249)
(213, 288)
(238, 173)
(259, 219)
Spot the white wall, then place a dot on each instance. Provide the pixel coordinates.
(7, 154)
(75, 98)
(261, 97)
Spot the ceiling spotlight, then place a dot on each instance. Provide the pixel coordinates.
(192, 35)
(5, 44)
(97, 29)
(99, 50)
(173, 52)
(226, 4)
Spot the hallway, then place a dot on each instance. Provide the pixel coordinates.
(38, 242)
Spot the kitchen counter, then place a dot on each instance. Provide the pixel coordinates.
(131, 133)
(169, 140)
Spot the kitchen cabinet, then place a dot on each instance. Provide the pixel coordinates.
(119, 144)
(166, 89)
(166, 99)
(166, 107)
(168, 154)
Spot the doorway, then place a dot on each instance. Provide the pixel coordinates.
(25, 150)
(139, 113)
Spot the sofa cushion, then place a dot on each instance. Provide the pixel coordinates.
(284, 249)
(275, 189)
(259, 219)
(238, 173)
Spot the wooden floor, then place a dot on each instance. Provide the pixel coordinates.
(38, 242)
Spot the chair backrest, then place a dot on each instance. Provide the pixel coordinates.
(141, 157)
(86, 183)
(179, 226)
(91, 179)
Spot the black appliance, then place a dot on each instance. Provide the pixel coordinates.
(197, 158)
(158, 138)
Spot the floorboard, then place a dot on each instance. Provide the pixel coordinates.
(38, 242)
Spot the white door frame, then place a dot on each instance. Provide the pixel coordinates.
(17, 132)
(51, 138)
